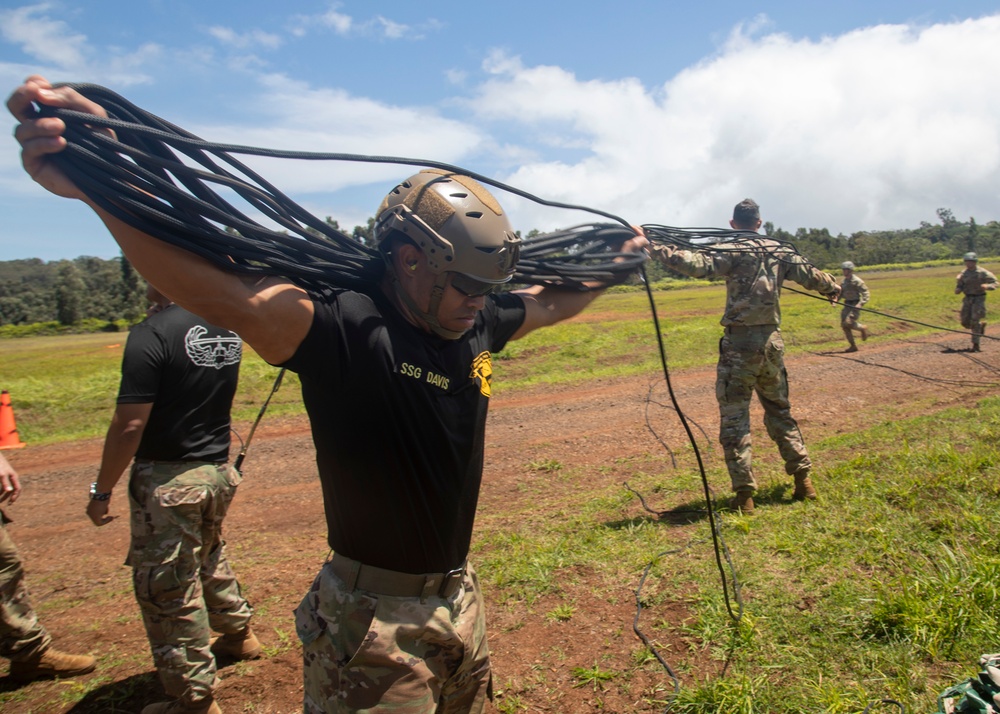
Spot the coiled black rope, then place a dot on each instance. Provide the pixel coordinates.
(139, 175)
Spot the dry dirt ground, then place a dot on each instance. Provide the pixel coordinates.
(275, 531)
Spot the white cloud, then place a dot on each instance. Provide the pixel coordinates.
(337, 21)
(876, 128)
(349, 26)
(46, 40)
(57, 49)
(299, 117)
(243, 40)
(392, 30)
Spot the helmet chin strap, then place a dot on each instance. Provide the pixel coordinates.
(430, 317)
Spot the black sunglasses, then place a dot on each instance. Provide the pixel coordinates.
(470, 287)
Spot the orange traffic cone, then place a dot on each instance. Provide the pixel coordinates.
(8, 429)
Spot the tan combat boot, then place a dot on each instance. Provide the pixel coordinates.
(51, 664)
(239, 645)
(743, 500)
(178, 707)
(804, 488)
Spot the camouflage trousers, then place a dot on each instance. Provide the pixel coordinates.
(751, 359)
(183, 582)
(849, 315)
(972, 315)
(21, 634)
(364, 652)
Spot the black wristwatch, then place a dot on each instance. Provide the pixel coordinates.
(95, 496)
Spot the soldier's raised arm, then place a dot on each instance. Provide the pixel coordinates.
(272, 315)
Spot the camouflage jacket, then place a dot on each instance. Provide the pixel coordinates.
(853, 290)
(974, 282)
(754, 270)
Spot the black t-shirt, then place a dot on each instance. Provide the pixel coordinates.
(398, 418)
(188, 369)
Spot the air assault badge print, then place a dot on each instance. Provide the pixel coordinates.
(212, 351)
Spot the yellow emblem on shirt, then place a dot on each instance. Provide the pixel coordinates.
(482, 370)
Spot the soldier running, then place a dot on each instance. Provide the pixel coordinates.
(973, 282)
(853, 294)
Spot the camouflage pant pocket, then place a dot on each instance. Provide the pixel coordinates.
(161, 587)
(334, 621)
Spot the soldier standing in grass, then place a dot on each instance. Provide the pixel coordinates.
(853, 294)
(396, 379)
(751, 351)
(179, 375)
(973, 282)
(23, 640)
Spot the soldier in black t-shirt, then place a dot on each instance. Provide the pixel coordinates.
(179, 375)
(396, 379)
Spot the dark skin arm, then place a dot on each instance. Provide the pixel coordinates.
(546, 306)
(272, 315)
(122, 440)
(10, 482)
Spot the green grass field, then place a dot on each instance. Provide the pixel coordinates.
(63, 387)
(899, 569)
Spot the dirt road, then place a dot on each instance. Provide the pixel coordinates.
(276, 528)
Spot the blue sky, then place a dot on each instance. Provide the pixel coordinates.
(848, 115)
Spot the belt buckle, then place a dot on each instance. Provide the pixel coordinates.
(452, 577)
(440, 585)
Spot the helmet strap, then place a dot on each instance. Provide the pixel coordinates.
(430, 317)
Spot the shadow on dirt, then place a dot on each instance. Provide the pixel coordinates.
(694, 511)
(124, 695)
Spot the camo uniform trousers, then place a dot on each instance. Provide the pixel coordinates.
(849, 315)
(973, 312)
(370, 653)
(183, 582)
(21, 635)
(751, 359)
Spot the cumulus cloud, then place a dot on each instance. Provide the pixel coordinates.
(46, 40)
(54, 48)
(872, 129)
(243, 40)
(296, 116)
(875, 128)
(346, 25)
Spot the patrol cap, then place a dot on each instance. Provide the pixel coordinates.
(847, 265)
(970, 256)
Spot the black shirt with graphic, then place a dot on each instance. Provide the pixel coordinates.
(188, 369)
(398, 419)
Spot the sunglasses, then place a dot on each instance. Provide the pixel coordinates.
(470, 287)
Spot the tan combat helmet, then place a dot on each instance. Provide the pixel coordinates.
(847, 265)
(461, 229)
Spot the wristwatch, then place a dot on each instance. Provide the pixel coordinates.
(95, 496)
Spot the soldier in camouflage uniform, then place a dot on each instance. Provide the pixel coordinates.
(973, 282)
(23, 639)
(853, 294)
(179, 375)
(751, 352)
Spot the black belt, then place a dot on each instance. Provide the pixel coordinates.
(358, 576)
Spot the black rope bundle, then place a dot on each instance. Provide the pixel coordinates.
(720, 240)
(140, 176)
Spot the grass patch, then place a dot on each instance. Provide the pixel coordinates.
(888, 587)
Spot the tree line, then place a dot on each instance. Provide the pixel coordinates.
(69, 292)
